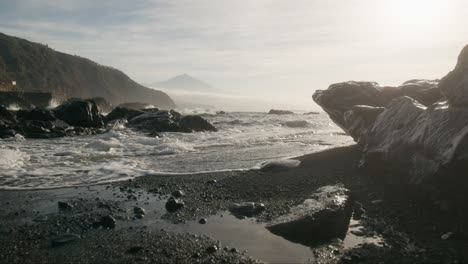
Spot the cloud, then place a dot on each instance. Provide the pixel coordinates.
(274, 48)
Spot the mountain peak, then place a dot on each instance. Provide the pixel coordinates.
(185, 82)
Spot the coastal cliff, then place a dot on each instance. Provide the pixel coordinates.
(37, 67)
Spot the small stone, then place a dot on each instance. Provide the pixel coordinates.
(196, 255)
(173, 204)
(202, 221)
(212, 181)
(64, 205)
(446, 236)
(212, 249)
(178, 193)
(138, 210)
(134, 250)
(234, 250)
(108, 222)
(65, 239)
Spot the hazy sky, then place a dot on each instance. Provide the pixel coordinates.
(280, 49)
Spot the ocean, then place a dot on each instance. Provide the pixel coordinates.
(245, 141)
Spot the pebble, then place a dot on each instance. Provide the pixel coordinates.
(64, 205)
(202, 221)
(178, 193)
(212, 249)
(108, 221)
(138, 210)
(173, 204)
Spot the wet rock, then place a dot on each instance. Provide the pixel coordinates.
(178, 193)
(202, 221)
(212, 249)
(174, 204)
(64, 239)
(455, 85)
(138, 211)
(122, 113)
(247, 209)
(324, 215)
(107, 222)
(280, 112)
(446, 236)
(234, 250)
(40, 114)
(279, 165)
(296, 124)
(64, 205)
(211, 181)
(194, 123)
(81, 113)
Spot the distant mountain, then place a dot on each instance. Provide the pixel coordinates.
(185, 82)
(35, 66)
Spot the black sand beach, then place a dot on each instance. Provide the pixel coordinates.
(413, 228)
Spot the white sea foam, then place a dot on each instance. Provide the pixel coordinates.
(244, 140)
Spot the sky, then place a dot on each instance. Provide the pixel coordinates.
(279, 50)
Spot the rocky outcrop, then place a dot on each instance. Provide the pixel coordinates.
(122, 113)
(324, 215)
(455, 84)
(419, 131)
(342, 97)
(82, 113)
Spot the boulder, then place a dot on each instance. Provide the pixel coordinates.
(40, 114)
(122, 113)
(40, 129)
(455, 85)
(7, 118)
(81, 113)
(194, 123)
(170, 121)
(280, 112)
(324, 215)
(360, 118)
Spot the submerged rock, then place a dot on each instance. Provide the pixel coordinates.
(296, 124)
(324, 215)
(247, 209)
(280, 112)
(279, 165)
(82, 113)
(194, 123)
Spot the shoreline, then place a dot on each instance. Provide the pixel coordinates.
(30, 219)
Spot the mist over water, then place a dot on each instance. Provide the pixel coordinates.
(244, 141)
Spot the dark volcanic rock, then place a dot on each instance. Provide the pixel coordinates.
(324, 215)
(107, 222)
(455, 84)
(64, 239)
(247, 209)
(6, 118)
(360, 118)
(194, 123)
(173, 204)
(40, 114)
(81, 113)
(170, 121)
(40, 129)
(123, 113)
(280, 112)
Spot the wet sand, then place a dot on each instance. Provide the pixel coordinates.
(399, 226)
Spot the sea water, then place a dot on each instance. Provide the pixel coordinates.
(244, 141)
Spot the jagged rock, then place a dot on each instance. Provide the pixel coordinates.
(6, 118)
(340, 98)
(81, 113)
(420, 139)
(40, 129)
(360, 118)
(322, 216)
(280, 112)
(122, 113)
(455, 84)
(247, 209)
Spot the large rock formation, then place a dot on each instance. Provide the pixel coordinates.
(414, 126)
(342, 97)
